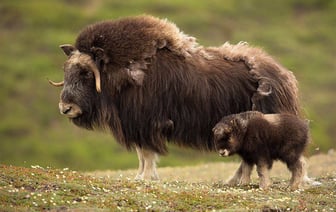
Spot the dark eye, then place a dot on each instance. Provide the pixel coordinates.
(85, 74)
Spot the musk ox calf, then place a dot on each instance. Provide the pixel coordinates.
(260, 139)
(145, 81)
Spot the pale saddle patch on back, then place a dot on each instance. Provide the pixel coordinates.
(272, 118)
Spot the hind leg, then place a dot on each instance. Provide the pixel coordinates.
(299, 172)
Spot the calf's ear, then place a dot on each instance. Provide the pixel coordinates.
(67, 49)
(218, 132)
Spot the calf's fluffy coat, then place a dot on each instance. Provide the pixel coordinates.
(260, 139)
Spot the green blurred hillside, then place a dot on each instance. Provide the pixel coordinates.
(300, 34)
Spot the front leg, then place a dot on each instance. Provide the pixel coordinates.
(235, 179)
(147, 165)
(141, 159)
(263, 173)
(242, 175)
(246, 173)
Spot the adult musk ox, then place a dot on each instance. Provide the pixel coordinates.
(144, 80)
(260, 139)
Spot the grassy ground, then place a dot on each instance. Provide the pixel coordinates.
(195, 188)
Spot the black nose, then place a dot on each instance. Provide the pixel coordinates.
(66, 110)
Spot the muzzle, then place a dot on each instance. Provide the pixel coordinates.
(224, 152)
(69, 109)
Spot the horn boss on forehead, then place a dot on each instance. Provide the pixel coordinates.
(76, 57)
(86, 60)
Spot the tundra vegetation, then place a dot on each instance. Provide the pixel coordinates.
(193, 188)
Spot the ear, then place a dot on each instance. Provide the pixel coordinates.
(218, 132)
(98, 53)
(68, 48)
(161, 43)
(99, 56)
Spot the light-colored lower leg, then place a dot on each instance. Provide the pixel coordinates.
(150, 172)
(139, 175)
(235, 179)
(305, 179)
(298, 173)
(263, 173)
(246, 173)
(147, 165)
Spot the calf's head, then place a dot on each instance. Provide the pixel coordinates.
(81, 85)
(227, 135)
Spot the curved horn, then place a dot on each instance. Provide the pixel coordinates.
(96, 73)
(57, 84)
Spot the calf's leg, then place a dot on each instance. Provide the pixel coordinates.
(298, 169)
(242, 175)
(263, 173)
(147, 165)
(246, 174)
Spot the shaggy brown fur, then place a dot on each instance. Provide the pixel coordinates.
(151, 72)
(262, 138)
